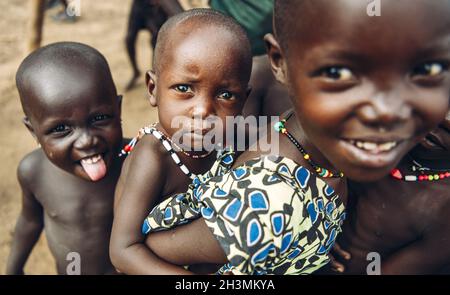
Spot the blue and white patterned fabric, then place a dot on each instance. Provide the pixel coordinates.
(270, 215)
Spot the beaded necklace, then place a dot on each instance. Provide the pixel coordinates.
(180, 149)
(127, 149)
(322, 172)
(423, 176)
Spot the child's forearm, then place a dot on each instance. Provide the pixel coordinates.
(26, 235)
(137, 259)
(191, 243)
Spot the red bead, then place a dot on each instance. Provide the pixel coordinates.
(441, 176)
(396, 173)
(447, 174)
(127, 148)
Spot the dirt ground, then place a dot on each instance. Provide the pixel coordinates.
(102, 25)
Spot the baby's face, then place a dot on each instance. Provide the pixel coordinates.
(366, 89)
(202, 75)
(77, 123)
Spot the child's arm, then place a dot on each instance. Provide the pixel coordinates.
(188, 244)
(142, 183)
(427, 255)
(29, 224)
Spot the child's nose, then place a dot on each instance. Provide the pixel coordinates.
(85, 140)
(385, 109)
(204, 107)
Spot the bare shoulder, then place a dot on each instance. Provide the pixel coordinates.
(147, 148)
(147, 159)
(30, 166)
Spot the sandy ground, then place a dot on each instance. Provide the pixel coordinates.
(102, 25)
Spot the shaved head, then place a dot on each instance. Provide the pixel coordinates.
(75, 65)
(193, 20)
(300, 17)
(289, 15)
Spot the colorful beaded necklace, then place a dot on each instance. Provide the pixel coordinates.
(322, 172)
(423, 176)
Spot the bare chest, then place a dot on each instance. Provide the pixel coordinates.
(76, 204)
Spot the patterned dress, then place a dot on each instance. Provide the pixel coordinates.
(270, 215)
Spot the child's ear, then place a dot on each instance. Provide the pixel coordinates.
(276, 58)
(150, 80)
(30, 128)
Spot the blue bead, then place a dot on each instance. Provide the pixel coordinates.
(278, 126)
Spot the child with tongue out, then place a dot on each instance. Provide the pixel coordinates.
(73, 111)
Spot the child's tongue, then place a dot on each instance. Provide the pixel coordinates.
(96, 170)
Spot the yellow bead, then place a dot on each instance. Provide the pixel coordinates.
(436, 177)
(318, 170)
(430, 177)
(306, 157)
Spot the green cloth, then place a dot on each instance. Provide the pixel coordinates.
(254, 15)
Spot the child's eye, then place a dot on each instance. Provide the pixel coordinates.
(429, 69)
(182, 88)
(226, 95)
(337, 73)
(100, 118)
(60, 129)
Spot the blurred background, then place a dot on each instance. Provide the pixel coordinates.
(101, 24)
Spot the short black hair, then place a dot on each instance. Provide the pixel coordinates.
(60, 54)
(284, 19)
(204, 17)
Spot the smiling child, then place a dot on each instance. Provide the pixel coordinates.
(404, 216)
(73, 111)
(365, 90)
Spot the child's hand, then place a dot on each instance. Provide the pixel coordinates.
(340, 253)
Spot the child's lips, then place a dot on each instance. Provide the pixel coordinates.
(92, 159)
(374, 147)
(372, 153)
(196, 135)
(196, 131)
